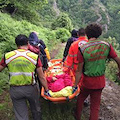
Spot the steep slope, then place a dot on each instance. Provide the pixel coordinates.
(97, 7)
(83, 12)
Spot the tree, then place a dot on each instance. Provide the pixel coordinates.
(62, 21)
(23, 9)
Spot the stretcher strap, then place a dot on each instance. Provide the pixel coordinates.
(67, 99)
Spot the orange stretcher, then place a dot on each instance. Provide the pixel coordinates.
(57, 64)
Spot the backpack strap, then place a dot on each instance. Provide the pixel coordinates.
(80, 50)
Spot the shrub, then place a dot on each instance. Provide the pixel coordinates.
(62, 21)
(111, 71)
(62, 34)
(10, 31)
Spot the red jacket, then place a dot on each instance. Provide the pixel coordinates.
(34, 49)
(71, 60)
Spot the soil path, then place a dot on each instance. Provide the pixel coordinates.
(110, 103)
(56, 50)
(56, 8)
(110, 108)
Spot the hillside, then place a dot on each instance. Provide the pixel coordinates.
(54, 20)
(83, 12)
(80, 12)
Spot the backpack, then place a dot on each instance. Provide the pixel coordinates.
(41, 53)
(74, 39)
(43, 57)
(34, 41)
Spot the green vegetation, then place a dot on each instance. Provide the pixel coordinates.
(10, 28)
(25, 16)
(58, 110)
(3, 81)
(10, 31)
(82, 12)
(6, 111)
(62, 21)
(28, 7)
(112, 70)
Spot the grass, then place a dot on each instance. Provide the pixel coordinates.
(58, 56)
(60, 52)
(50, 111)
(6, 111)
(57, 111)
(3, 81)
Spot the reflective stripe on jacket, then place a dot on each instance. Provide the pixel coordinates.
(21, 64)
(71, 60)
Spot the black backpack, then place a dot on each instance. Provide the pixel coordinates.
(34, 41)
(43, 57)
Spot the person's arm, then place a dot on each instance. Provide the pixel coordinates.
(117, 59)
(42, 78)
(42, 43)
(1, 68)
(45, 49)
(68, 44)
(2, 64)
(79, 68)
(69, 59)
(113, 55)
(78, 73)
(43, 57)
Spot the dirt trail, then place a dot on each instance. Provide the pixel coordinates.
(110, 109)
(56, 8)
(99, 6)
(110, 102)
(55, 51)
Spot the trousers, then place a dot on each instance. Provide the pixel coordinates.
(95, 98)
(22, 96)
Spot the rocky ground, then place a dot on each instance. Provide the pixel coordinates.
(110, 102)
(110, 107)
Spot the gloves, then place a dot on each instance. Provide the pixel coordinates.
(47, 93)
(74, 89)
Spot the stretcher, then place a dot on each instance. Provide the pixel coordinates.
(54, 65)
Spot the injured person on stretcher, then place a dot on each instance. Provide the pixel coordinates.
(59, 82)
